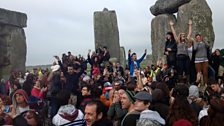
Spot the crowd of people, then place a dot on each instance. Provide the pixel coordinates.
(186, 90)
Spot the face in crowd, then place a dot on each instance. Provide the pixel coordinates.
(125, 102)
(70, 70)
(116, 86)
(141, 105)
(198, 38)
(31, 118)
(215, 87)
(134, 57)
(19, 98)
(85, 91)
(121, 92)
(182, 37)
(91, 115)
(168, 36)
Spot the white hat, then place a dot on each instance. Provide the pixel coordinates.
(55, 68)
(86, 78)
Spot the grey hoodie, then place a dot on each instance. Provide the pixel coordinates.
(193, 93)
(150, 118)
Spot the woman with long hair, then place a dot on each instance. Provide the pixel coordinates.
(183, 60)
(180, 108)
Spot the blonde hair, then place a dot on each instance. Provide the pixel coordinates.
(190, 41)
(179, 36)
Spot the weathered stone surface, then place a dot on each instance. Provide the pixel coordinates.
(201, 15)
(122, 57)
(113, 60)
(159, 28)
(106, 31)
(149, 59)
(12, 44)
(13, 18)
(167, 6)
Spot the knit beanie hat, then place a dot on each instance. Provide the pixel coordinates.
(130, 95)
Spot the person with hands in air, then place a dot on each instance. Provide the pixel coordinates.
(72, 75)
(183, 60)
(133, 62)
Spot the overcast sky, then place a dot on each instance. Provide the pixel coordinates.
(58, 26)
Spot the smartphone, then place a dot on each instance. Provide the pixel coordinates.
(7, 109)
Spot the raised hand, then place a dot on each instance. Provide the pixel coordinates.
(171, 23)
(129, 51)
(89, 51)
(57, 58)
(190, 22)
(145, 51)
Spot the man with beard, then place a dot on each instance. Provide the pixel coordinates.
(127, 102)
(115, 112)
(72, 75)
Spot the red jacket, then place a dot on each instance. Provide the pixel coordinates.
(37, 93)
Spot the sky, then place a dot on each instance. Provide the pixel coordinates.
(58, 26)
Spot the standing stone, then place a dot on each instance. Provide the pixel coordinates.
(159, 28)
(201, 15)
(149, 60)
(167, 6)
(12, 42)
(106, 32)
(122, 57)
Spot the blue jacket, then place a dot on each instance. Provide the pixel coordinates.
(131, 63)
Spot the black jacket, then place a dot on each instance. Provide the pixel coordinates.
(103, 122)
(72, 80)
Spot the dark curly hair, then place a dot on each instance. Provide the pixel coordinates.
(181, 108)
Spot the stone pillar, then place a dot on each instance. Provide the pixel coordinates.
(106, 32)
(122, 57)
(12, 42)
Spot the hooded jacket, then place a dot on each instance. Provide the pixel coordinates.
(19, 110)
(68, 115)
(149, 118)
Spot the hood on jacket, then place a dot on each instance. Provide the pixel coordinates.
(22, 92)
(152, 115)
(68, 112)
(193, 91)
